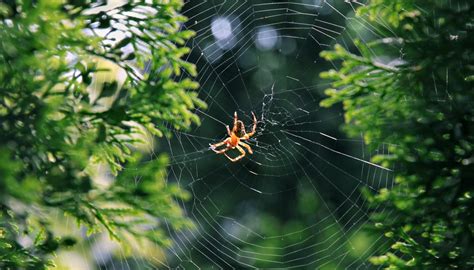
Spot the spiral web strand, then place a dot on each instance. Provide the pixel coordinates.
(291, 141)
(303, 169)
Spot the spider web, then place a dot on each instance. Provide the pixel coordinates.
(303, 169)
(295, 202)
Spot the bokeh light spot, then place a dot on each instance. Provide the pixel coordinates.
(221, 28)
(267, 38)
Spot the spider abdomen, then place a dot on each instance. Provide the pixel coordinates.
(234, 140)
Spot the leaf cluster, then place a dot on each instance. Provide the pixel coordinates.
(83, 84)
(419, 100)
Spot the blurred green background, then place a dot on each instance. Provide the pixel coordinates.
(109, 110)
(295, 202)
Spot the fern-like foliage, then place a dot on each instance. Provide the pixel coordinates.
(83, 84)
(414, 89)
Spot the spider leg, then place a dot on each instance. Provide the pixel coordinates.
(214, 146)
(228, 130)
(254, 128)
(235, 121)
(242, 154)
(222, 150)
(249, 149)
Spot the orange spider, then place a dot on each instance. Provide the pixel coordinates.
(236, 136)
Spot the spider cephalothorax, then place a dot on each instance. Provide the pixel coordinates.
(236, 136)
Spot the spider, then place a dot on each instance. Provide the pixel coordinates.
(236, 136)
